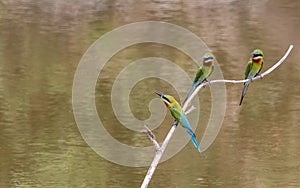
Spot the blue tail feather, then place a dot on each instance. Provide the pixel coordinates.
(186, 125)
(193, 138)
(190, 92)
(246, 85)
(192, 89)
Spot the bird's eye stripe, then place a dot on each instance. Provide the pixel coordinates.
(166, 99)
(208, 58)
(257, 55)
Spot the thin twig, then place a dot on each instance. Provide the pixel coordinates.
(152, 138)
(160, 152)
(192, 108)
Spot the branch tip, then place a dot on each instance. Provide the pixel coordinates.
(152, 138)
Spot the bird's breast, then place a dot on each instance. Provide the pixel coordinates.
(257, 61)
(208, 63)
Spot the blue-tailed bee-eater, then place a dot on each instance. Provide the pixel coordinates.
(203, 72)
(254, 66)
(178, 114)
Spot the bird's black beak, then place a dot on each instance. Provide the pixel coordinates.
(160, 94)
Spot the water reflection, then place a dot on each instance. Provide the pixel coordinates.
(42, 42)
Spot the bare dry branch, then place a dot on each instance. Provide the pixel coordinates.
(158, 156)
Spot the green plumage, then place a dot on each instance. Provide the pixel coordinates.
(178, 114)
(203, 72)
(253, 68)
(206, 69)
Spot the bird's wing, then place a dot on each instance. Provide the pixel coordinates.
(199, 74)
(176, 113)
(248, 69)
(199, 78)
(197, 81)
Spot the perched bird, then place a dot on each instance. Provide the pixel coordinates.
(254, 66)
(203, 72)
(179, 115)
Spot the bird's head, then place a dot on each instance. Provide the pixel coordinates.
(208, 59)
(257, 55)
(167, 99)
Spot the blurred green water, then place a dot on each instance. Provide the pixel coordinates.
(42, 42)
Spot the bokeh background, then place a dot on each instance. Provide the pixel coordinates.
(42, 42)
